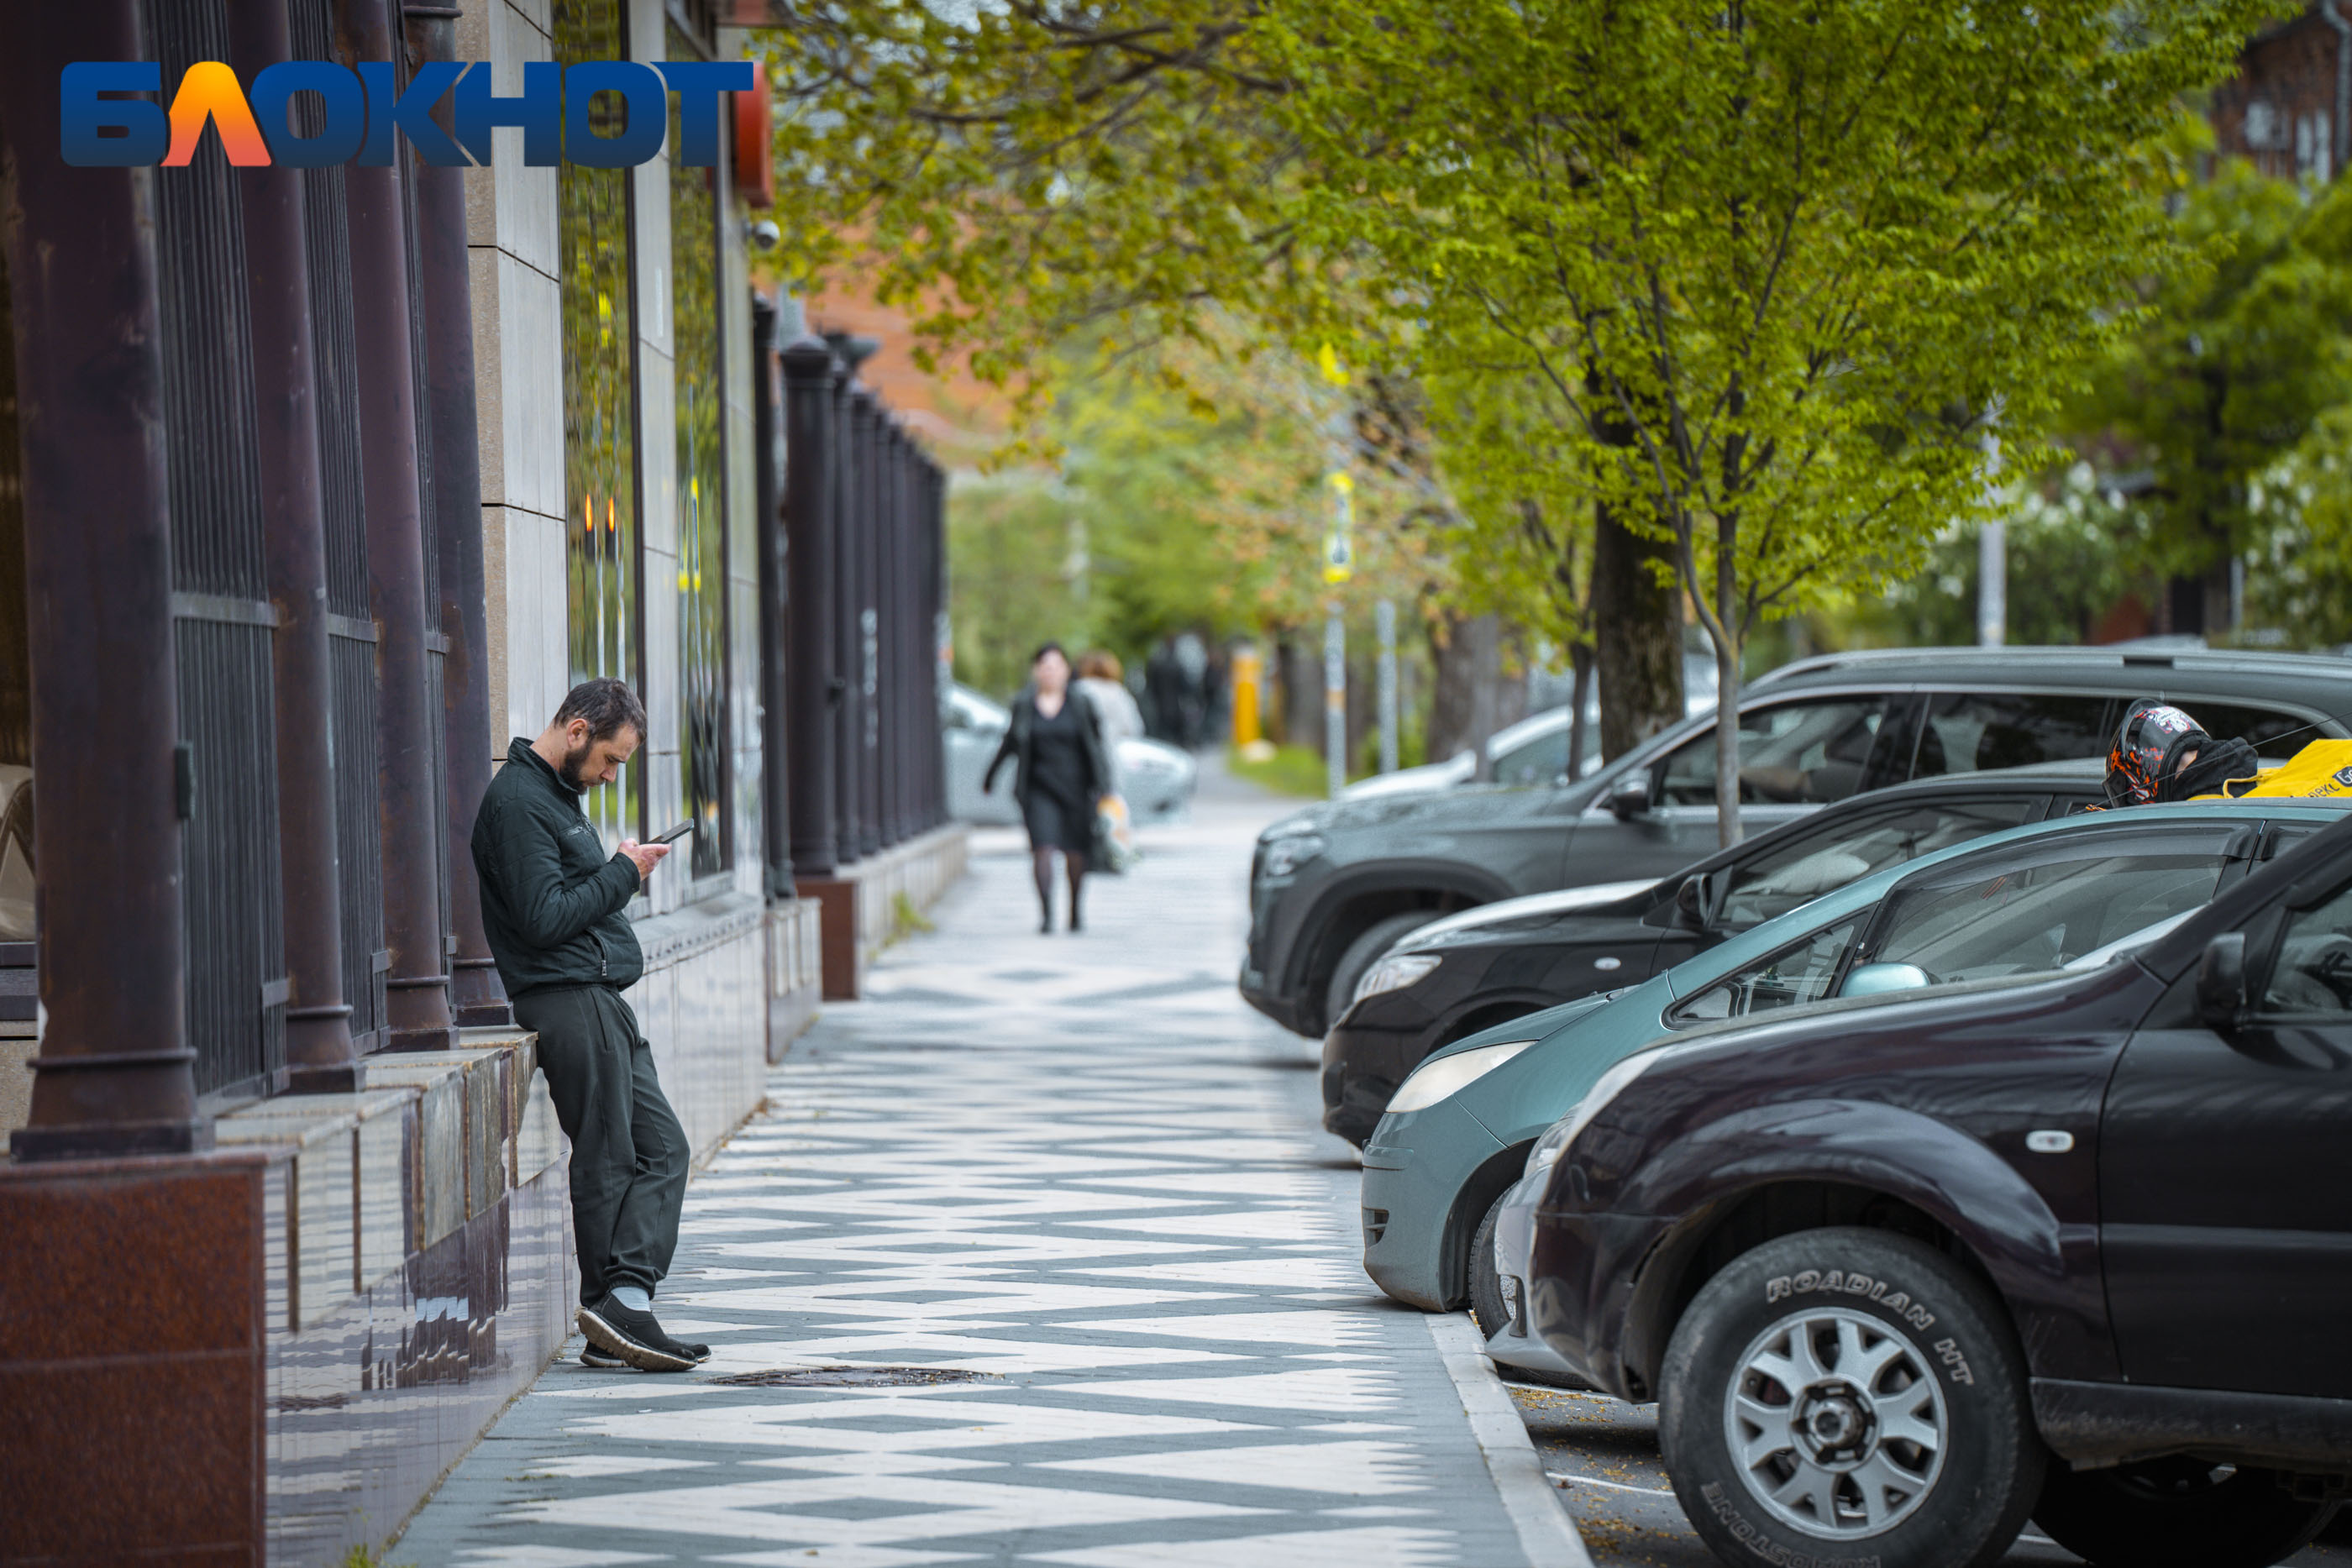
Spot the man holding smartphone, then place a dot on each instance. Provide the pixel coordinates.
(552, 906)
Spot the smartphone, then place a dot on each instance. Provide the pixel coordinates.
(671, 835)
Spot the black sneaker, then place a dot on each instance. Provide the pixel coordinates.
(591, 1356)
(636, 1337)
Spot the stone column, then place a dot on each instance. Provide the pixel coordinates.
(476, 996)
(889, 568)
(409, 788)
(854, 415)
(812, 692)
(775, 618)
(868, 530)
(319, 1055)
(936, 624)
(115, 1074)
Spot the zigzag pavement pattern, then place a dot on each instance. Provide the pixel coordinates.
(1079, 1168)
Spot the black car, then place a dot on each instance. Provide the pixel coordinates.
(1904, 1272)
(1332, 886)
(1456, 976)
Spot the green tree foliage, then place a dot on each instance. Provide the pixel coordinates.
(2072, 551)
(2229, 368)
(1027, 172)
(1772, 263)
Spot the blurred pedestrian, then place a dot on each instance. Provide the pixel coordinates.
(1061, 772)
(1102, 678)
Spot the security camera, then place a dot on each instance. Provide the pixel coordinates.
(763, 235)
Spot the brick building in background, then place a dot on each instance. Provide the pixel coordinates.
(2286, 111)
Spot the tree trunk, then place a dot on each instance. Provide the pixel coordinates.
(1580, 658)
(1637, 637)
(1471, 699)
(1727, 744)
(1302, 692)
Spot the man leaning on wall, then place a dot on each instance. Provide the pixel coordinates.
(553, 904)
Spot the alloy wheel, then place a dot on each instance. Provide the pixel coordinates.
(1837, 1425)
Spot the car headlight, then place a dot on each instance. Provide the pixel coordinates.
(1562, 1132)
(1433, 1081)
(1284, 856)
(1395, 972)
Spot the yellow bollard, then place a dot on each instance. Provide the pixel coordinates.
(1247, 672)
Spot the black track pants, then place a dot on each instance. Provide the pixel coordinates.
(629, 1156)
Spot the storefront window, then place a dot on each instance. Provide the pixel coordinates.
(701, 509)
(600, 413)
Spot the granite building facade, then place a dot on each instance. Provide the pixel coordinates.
(317, 484)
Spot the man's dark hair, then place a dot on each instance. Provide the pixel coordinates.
(1045, 648)
(607, 705)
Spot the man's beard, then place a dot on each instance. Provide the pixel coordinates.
(570, 772)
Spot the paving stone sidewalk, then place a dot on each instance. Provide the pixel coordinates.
(1078, 1166)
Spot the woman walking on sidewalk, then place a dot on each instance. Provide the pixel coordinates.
(1061, 772)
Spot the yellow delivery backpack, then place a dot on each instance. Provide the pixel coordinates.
(2320, 769)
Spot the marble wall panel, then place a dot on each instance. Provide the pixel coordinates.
(369, 1408)
(386, 1159)
(531, 388)
(487, 1122)
(438, 1198)
(539, 664)
(539, 1138)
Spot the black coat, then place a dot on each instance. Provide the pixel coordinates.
(1017, 745)
(551, 898)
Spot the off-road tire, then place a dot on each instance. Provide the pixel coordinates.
(1929, 1351)
(2177, 1513)
(1358, 956)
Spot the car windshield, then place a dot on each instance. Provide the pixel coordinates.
(2026, 919)
(1823, 860)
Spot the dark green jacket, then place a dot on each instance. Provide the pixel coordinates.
(551, 898)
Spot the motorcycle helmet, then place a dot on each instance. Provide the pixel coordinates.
(2147, 750)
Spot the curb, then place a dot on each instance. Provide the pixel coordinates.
(1546, 1532)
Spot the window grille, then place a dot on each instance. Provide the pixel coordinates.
(234, 960)
(358, 846)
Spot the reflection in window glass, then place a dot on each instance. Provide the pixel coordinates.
(701, 511)
(599, 409)
(1801, 972)
(2313, 975)
(1538, 761)
(2274, 735)
(1805, 753)
(1968, 733)
(2027, 919)
(1824, 859)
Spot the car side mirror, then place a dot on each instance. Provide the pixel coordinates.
(2221, 982)
(1630, 796)
(1699, 900)
(1882, 980)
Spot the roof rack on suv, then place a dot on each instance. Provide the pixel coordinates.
(2121, 656)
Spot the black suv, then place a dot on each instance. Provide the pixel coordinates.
(1904, 1272)
(1448, 980)
(1333, 886)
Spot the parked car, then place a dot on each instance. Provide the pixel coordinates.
(1332, 886)
(1486, 966)
(1532, 751)
(1156, 778)
(2073, 1245)
(1459, 1130)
